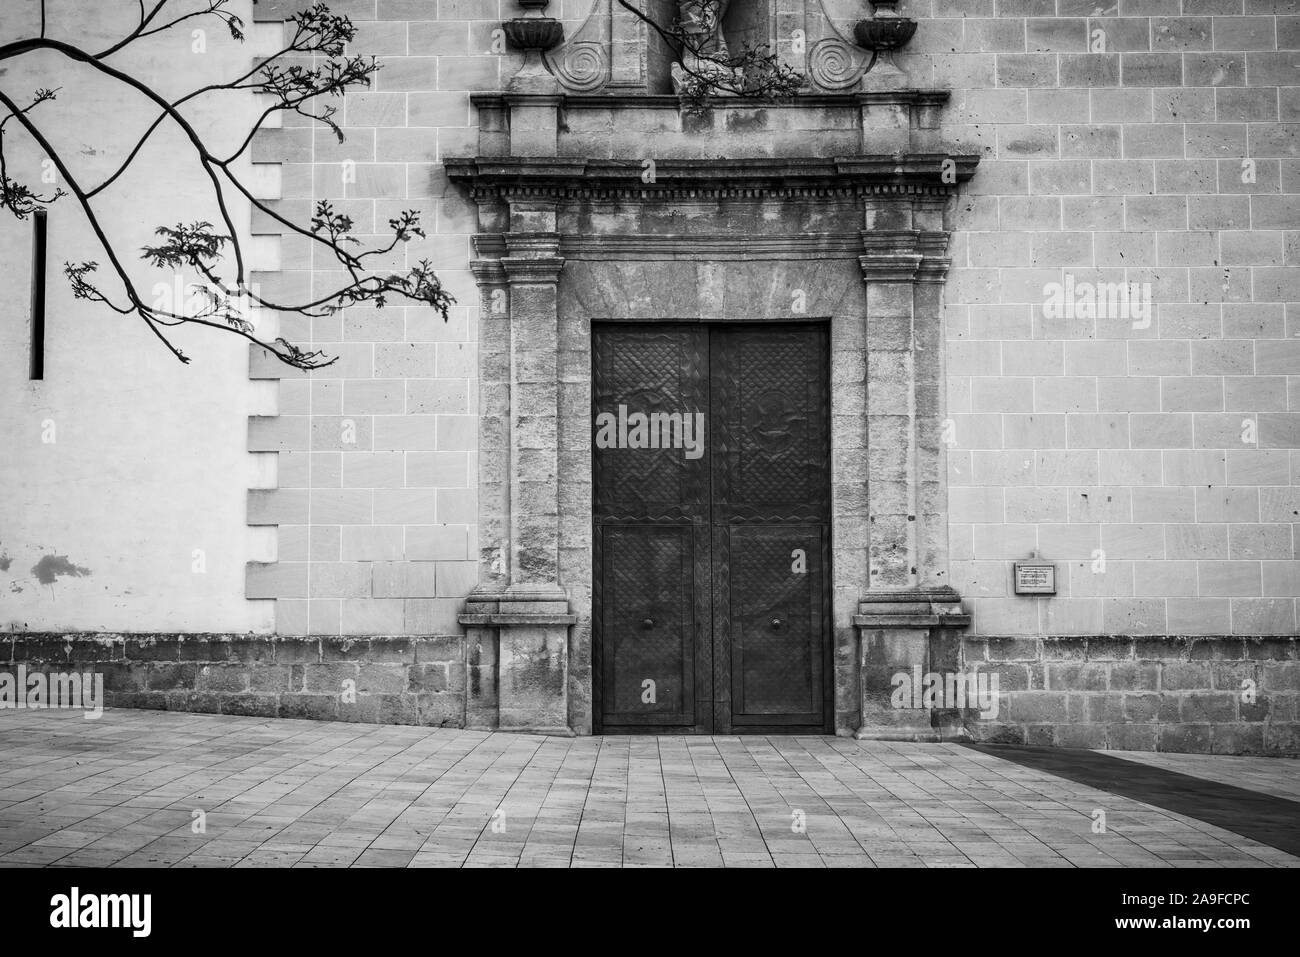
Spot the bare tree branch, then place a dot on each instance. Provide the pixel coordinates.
(753, 72)
(18, 197)
(226, 302)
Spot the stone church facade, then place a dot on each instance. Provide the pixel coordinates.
(992, 330)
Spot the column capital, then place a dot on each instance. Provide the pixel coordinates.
(522, 243)
(532, 270)
(890, 268)
(933, 269)
(904, 255)
(488, 272)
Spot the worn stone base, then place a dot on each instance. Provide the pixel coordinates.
(417, 681)
(526, 632)
(1152, 693)
(912, 731)
(1129, 693)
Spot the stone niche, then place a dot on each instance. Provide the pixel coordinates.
(614, 202)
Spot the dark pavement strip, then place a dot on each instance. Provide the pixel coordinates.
(1270, 820)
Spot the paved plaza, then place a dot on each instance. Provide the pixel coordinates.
(159, 789)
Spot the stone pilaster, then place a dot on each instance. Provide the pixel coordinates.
(533, 271)
(909, 618)
(890, 263)
(518, 620)
(494, 424)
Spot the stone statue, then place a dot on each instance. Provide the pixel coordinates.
(704, 52)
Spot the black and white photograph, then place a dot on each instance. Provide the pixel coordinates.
(647, 435)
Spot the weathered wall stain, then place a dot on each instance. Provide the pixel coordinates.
(5, 562)
(51, 567)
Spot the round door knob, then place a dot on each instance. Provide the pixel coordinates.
(776, 624)
(648, 623)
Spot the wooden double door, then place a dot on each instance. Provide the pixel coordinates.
(711, 450)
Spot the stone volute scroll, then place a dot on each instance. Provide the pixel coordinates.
(860, 59)
(583, 63)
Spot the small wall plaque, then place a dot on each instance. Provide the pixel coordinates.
(1035, 578)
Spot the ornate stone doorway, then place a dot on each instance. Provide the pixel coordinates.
(857, 243)
(622, 206)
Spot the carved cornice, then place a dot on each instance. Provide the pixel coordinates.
(495, 178)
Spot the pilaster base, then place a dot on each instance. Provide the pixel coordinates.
(908, 632)
(518, 650)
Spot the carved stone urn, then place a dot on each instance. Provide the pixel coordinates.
(886, 31)
(883, 34)
(534, 34)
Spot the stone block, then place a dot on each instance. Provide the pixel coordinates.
(1184, 676)
(1185, 738)
(372, 616)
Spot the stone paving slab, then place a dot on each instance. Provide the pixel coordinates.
(124, 791)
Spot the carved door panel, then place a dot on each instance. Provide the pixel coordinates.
(711, 469)
(771, 515)
(651, 600)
